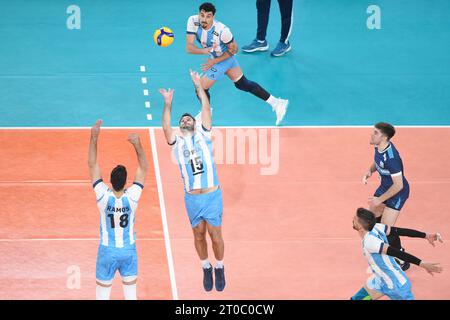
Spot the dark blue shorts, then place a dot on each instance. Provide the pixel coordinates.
(396, 202)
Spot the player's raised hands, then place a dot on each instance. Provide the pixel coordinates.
(434, 237)
(95, 130)
(167, 94)
(133, 138)
(196, 77)
(431, 267)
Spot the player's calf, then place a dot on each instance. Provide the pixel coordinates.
(103, 289)
(129, 287)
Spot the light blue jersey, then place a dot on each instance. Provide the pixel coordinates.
(117, 215)
(387, 273)
(218, 34)
(195, 159)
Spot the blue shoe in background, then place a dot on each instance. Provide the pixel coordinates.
(256, 46)
(281, 49)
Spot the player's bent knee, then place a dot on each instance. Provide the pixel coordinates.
(216, 236)
(104, 283)
(244, 84)
(200, 236)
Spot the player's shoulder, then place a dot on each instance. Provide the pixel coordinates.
(194, 19)
(380, 227)
(99, 184)
(392, 152)
(394, 149)
(220, 26)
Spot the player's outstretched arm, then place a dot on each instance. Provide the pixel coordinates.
(141, 170)
(430, 267)
(431, 237)
(94, 168)
(206, 107)
(167, 128)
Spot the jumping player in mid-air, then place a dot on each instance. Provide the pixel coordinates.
(217, 41)
(388, 278)
(393, 191)
(117, 206)
(203, 195)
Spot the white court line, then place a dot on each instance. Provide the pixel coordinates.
(163, 215)
(226, 127)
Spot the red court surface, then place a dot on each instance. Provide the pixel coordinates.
(287, 236)
(290, 236)
(51, 221)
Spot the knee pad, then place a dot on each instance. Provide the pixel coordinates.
(244, 84)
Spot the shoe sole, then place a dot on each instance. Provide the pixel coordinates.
(281, 54)
(256, 49)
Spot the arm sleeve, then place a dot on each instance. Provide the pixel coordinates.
(135, 191)
(226, 36)
(191, 28)
(402, 255)
(373, 245)
(407, 232)
(100, 189)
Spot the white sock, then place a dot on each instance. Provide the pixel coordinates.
(219, 264)
(129, 291)
(102, 293)
(272, 101)
(206, 264)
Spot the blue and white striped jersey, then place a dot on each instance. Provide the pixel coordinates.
(117, 215)
(386, 270)
(218, 34)
(195, 158)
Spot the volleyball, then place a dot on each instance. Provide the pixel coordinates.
(163, 37)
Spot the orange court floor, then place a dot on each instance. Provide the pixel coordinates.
(288, 234)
